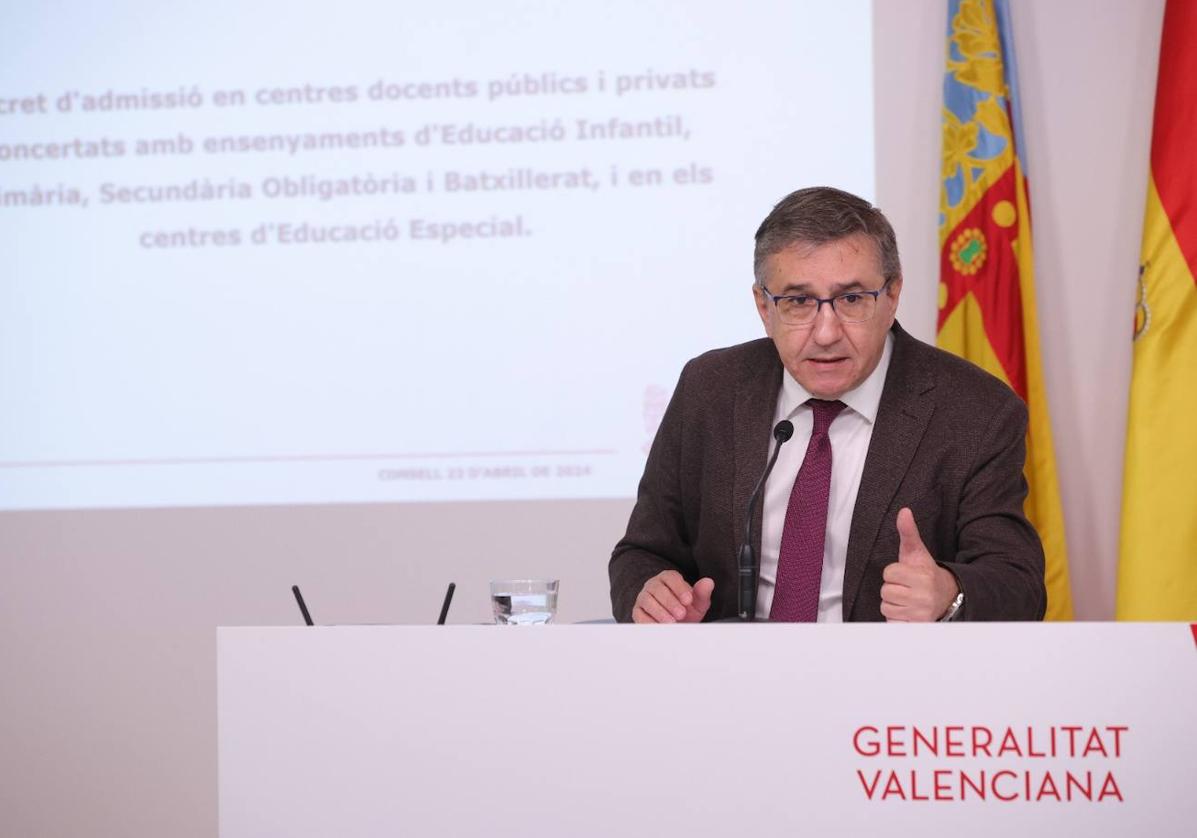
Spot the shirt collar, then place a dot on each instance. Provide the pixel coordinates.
(864, 399)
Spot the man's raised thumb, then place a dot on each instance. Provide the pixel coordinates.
(911, 549)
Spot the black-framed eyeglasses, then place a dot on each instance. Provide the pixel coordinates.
(849, 307)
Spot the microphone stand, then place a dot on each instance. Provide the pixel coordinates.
(746, 560)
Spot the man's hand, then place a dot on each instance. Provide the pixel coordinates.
(668, 598)
(916, 589)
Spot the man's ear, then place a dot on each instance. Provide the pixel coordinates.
(894, 290)
(763, 304)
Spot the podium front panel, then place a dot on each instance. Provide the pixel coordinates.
(715, 730)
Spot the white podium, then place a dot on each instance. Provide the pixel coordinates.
(715, 730)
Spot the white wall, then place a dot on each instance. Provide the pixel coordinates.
(107, 642)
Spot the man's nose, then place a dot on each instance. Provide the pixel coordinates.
(827, 328)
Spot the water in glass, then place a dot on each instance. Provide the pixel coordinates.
(524, 602)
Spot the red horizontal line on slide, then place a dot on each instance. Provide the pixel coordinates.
(299, 458)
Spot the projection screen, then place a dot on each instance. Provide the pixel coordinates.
(368, 253)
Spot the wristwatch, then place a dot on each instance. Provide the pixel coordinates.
(953, 609)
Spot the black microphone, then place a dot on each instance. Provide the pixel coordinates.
(303, 606)
(445, 605)
(749, 566)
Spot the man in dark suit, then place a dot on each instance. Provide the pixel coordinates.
(900, 495)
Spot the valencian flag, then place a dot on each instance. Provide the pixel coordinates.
(1157, 573)
(987, 279)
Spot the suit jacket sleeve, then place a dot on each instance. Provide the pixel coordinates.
(657, 537)
(998, 559)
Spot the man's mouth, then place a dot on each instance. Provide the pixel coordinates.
(825, 362)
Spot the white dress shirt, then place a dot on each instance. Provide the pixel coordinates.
(850, 434)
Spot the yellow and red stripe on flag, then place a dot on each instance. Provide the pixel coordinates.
(1157, 569)
(987, 278)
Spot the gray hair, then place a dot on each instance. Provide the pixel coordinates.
(819, 215)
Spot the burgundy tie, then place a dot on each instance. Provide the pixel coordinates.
(800, 560)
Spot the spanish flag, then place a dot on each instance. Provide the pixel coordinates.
(987, 277)
(1157, 570)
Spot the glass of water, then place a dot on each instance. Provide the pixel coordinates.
(523, 602)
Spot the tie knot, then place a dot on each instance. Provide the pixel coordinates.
(824, 412)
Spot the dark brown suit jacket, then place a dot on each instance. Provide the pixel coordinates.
(949, 442)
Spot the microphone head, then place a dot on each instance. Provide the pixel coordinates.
(783, 430)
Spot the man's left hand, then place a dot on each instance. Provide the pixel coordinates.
(915, 589)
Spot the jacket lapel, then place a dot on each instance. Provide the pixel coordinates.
(902, 419)
(756, 400)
